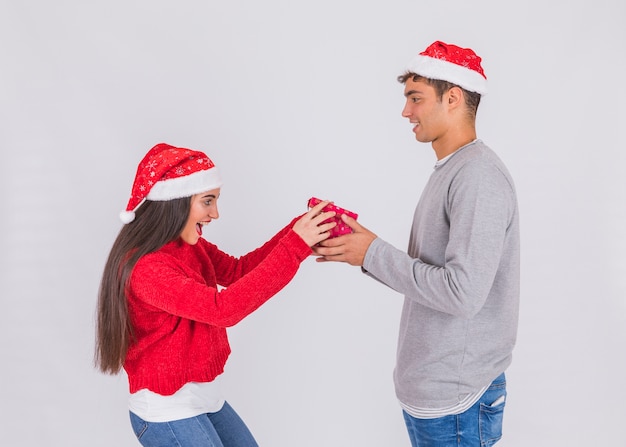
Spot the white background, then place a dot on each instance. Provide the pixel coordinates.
(293, 99)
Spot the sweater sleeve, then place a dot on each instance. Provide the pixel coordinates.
(229, 269)
(161, 281)
(481, 204)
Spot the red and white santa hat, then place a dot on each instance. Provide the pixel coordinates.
(167, 172)
(445, 62)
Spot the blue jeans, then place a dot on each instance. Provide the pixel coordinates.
(222, 429)
(479, 426)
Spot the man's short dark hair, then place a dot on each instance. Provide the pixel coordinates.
(472, 99)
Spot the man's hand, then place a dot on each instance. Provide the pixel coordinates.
(350, 248)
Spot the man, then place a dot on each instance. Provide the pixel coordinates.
(460, 276)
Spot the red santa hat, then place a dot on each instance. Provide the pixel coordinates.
(168, 172)
(445, 62)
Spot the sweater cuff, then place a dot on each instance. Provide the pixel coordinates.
(368, 260)
(296, 245)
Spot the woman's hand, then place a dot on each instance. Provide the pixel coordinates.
(310, 227)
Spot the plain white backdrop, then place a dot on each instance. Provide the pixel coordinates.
(293, 99)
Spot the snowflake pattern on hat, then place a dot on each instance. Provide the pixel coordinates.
(456, 55)
(451, 63)
(167, 172)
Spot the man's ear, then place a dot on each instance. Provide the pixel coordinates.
(455, 97)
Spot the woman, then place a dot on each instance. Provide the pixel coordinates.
(161, 316)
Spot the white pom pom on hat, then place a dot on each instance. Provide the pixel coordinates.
(167, 172)
(446, 62)
(127, 216)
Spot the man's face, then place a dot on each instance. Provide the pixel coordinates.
(425, 111)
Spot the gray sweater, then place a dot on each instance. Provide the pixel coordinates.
(460, 279)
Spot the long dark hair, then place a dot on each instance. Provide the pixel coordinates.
(155, 224)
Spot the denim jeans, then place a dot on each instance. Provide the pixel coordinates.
(479, 426)
(222, 429)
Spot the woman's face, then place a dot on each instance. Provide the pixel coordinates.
(203, 210)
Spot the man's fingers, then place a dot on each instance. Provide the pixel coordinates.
(351, 222)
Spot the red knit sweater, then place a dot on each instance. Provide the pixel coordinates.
(180, 317)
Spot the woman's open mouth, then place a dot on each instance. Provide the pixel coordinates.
(199, 226)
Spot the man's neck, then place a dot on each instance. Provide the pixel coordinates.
(451, 143)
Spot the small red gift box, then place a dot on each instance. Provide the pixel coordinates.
(341, 227)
